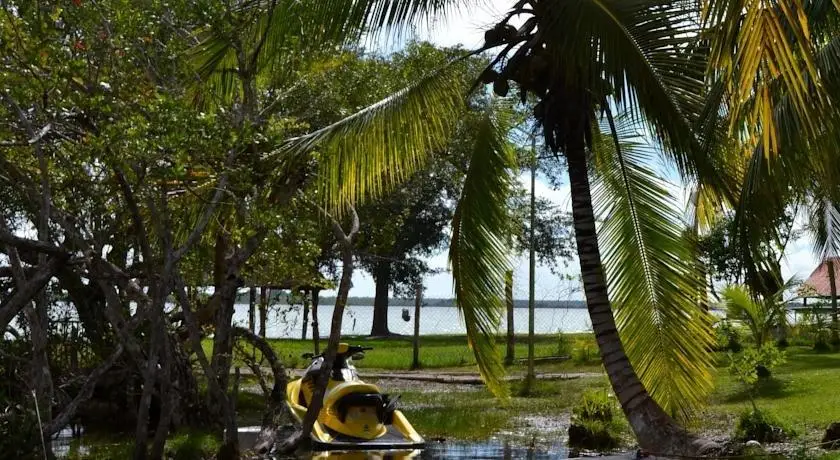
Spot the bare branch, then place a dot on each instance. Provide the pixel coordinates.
(34, 140)
(139, 230)
(277, 368)
(354, 228)
(208, 211)
(106, 270)
(14, 258)
(6, 237)
(10, 307)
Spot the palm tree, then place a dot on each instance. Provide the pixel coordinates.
(761, 315)
(825, 230)
(633, 56)
(578, 59)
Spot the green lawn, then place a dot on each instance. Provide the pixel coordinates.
(436, 352)
(804, 393)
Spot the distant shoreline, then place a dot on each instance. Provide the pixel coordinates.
(428, 302)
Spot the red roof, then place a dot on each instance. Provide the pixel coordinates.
(818, 285)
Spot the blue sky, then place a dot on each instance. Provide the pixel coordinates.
(467, 28)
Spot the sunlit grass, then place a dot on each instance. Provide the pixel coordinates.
(804, 393)
(477, 415)
(436, 352)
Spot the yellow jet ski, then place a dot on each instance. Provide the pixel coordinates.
(355, 415)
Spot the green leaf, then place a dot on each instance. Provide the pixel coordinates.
(478, 254)
(366, 153)
(652, 271)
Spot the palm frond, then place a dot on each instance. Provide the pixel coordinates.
(386, 142)
(825, 228)
(741, 306)
(760, 315)
(272, 34)
(644, 52)
(764, 50)
(478, 255)
(652, 273)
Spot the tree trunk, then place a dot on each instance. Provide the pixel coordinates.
(654, 429)
(510, 354)
(529, 379)
(305, 315)
(418, 302)
(382, 277)
(346, 244)
(252, 300)
(277, 414)
(835, 327)
(263, 309)
(316, 334)
(167, 397)
(150, 374)
(38, 319)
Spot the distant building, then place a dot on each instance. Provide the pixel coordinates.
(817, 288)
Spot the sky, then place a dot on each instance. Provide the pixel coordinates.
(467, 28)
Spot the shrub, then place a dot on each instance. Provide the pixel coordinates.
(761, 426)
(595, 405)
(592, 434)
(585, 352)
(727, 337)
(593, 423)
(192, 446)
(20, 437)
(564, 345)
(754, 364)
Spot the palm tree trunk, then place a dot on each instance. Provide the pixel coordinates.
(835, 333)
(654, 429)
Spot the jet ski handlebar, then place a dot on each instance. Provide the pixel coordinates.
(351, 350)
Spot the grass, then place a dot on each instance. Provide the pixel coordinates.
(477, 415)
(803, 393)
(436, 352)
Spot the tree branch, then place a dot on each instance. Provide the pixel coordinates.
(10, 307)
(6, 237)
(34, 140)
(208, 211)
(139, 229)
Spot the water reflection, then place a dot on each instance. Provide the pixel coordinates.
(494, 449)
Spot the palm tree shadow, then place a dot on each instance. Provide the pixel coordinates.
(770, 388)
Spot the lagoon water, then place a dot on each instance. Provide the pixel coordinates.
(286, 321)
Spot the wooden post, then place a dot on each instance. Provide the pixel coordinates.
(531, 271)
(418, 300)
(510, 355)
(252, 300)
(263, 309)
(316, 334)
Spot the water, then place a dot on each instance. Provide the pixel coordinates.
(494, 449)
(64, 446)
(285, 321)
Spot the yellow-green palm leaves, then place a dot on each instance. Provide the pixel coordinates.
(763, 50)
(652, 274)
(362, 155)
(759, 315)
(478, 254)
